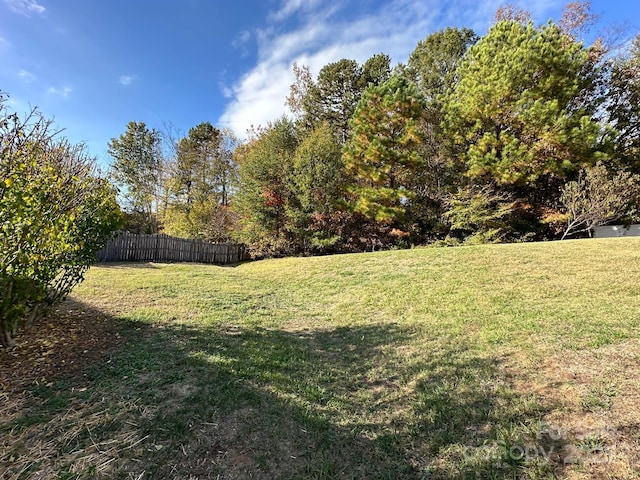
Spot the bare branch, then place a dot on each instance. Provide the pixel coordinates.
(512, 13)
(596, 198)
(577, 18)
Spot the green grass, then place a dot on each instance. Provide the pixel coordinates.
(425, 363)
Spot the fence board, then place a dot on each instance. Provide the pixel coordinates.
(129, 247)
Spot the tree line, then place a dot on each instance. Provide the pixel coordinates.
(525, 133)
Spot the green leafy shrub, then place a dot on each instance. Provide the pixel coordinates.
(55, 213)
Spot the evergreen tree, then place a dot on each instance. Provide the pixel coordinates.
(521, 120)
(334, 96)
(516, 113)
(432, 64)
(382, 155)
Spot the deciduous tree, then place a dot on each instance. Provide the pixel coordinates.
(137, 168)
(265, 195)
(201, 185)
(319, 180)
(481, 214)
(598, 197)
(623, 107)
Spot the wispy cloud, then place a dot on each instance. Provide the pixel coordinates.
(321, 36)
(242, 38)
(241, 42)
(126, 80)
(223, 84)
(63, 92)
(25, 7)
(290, 7)
(319, 39)
(27, 77)
(227, 92)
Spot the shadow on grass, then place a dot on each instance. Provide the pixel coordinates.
(152, 265)
(122, 265)
(374, 401)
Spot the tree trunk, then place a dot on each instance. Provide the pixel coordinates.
(6, 338)
(32, 315)
(569, 229)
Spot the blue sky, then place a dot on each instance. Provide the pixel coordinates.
(94, 65)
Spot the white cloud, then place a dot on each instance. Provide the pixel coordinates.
(25, 7)
(241, 41)
(258, 99)
(126, 80)
(227, 92)
(322, 37)
(63, 92)
(290, 7)
(27, 77)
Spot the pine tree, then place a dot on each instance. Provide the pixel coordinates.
(517, 112)
(383, 151)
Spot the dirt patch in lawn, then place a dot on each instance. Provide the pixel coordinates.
(594, 425)
(43, 379)
(62, 345)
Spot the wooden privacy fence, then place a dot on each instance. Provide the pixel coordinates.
(128, 247)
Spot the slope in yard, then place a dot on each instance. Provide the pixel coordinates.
(503, 361)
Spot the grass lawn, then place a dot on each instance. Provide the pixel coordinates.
(500, 361)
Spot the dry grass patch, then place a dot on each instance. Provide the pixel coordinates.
(595, 422)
